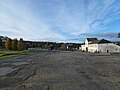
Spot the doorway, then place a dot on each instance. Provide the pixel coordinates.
(86, 49)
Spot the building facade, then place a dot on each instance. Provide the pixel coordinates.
(95, 45)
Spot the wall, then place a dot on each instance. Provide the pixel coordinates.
(92, 47)
(110, 47)
(83, 47)
(86, 42)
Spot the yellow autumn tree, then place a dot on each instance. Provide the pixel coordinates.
(8, 44)
(14, 44)
(20, 45)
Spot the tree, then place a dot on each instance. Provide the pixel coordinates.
(0, 42)
(118, 35)
(20, 45)
(51, 47)
(8, 44)
(14, 44)
(46, 46)
(33, 44)
(63, 47)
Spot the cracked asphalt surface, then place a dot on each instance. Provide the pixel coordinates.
(61, 70)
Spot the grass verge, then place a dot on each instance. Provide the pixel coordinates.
(7, 54)
(115, 54)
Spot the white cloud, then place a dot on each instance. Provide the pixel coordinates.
(70, 16)
(87, 17)
(15, 17)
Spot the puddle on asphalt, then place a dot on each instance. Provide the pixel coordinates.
(6, 70)
(20, 63)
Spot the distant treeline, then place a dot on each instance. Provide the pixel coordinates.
(14, 44)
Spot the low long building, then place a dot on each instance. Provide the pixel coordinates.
(95, 45)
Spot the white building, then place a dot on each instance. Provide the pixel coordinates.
(95, 45)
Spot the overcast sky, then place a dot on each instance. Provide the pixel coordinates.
(60, 20)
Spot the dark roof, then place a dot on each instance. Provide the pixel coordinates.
(95, 42)
(100, 41)
(116, 41)
(91, 39)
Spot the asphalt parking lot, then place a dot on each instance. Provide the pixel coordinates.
(60, 70)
